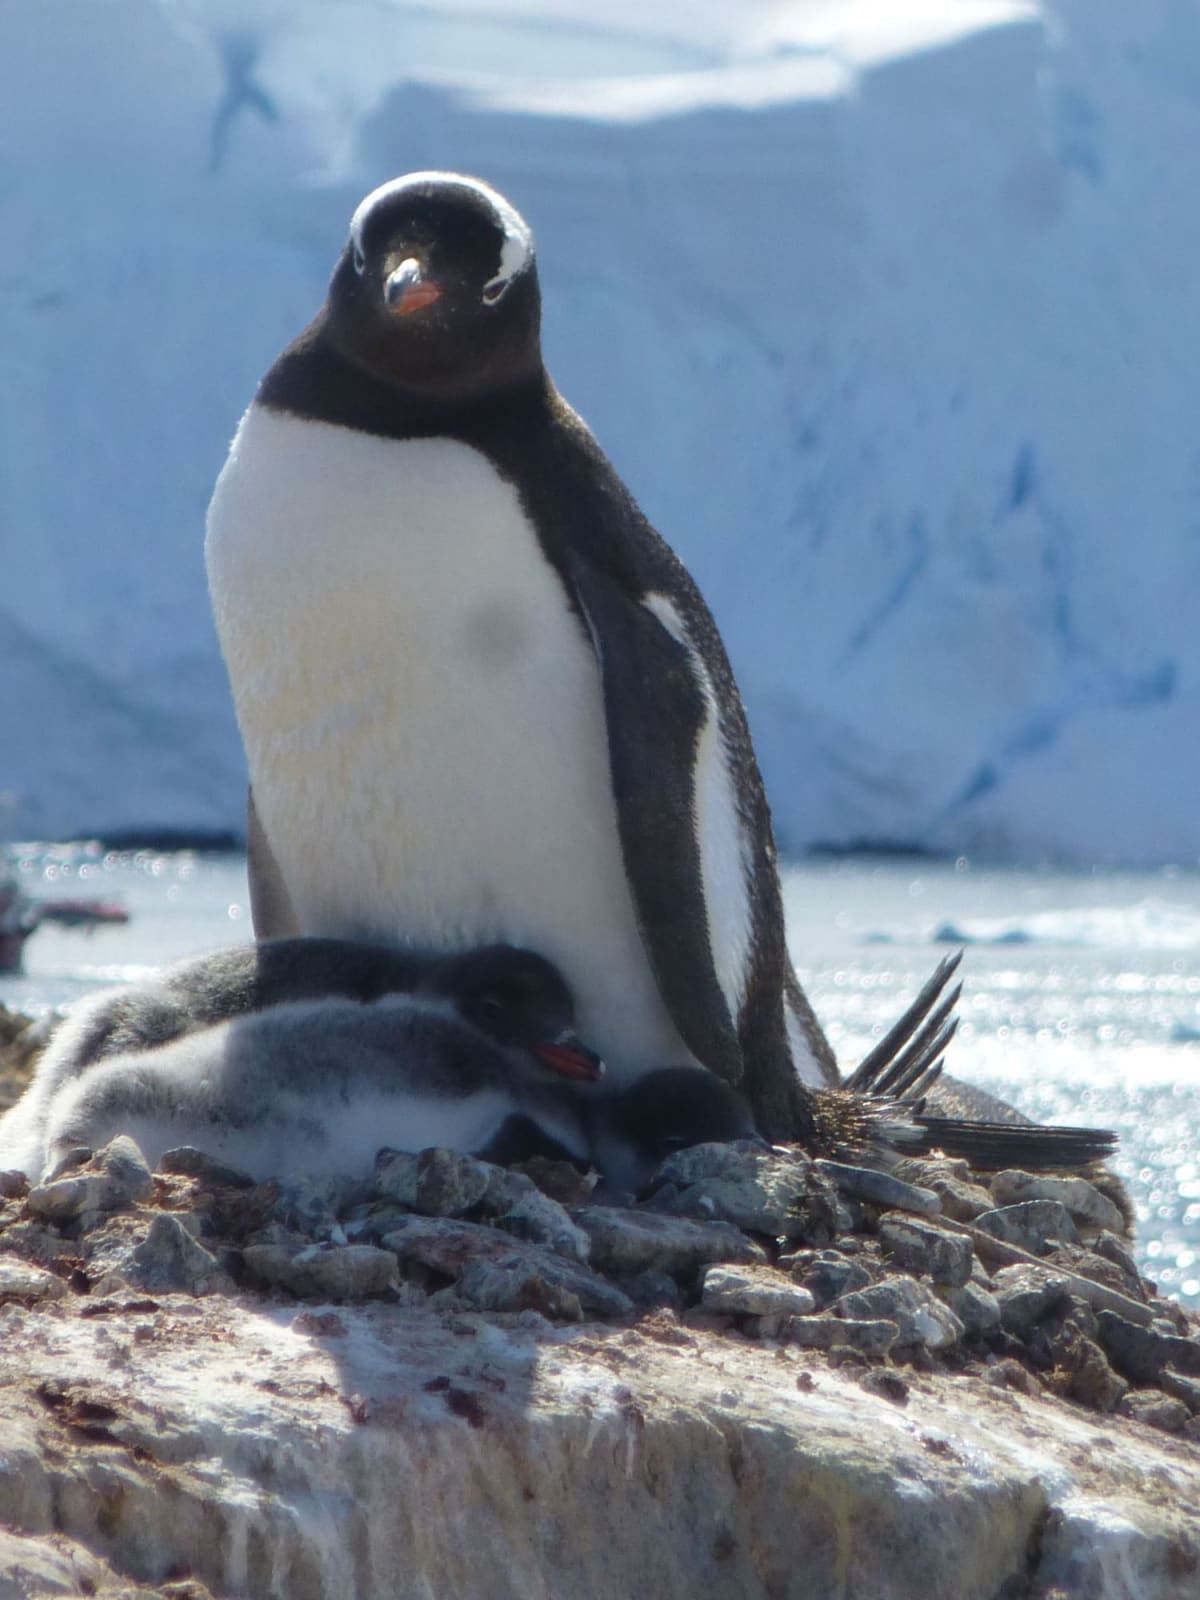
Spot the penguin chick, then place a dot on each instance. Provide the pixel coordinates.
(323, 1084)
(204, 990)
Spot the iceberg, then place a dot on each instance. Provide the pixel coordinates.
(889, 321)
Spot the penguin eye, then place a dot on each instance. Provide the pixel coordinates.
(493, 289)
(491, 1006)
(359, 259)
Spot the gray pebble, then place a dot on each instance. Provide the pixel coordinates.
(629, 1241)
(325, 1272)
(776, 1192)
(1027, 1296)
(110, 1180)
(753, 1291)
(921, 1247)
(827, 1280)
(869, 1336)
(921, 1317)
(976, 1309)
(170, 1260)
(454, 1247)
(1155, 1410)
(880, 1188)
(449, 1182)
(1142, 1353)
(21, 1280)
(1031, 1225)
(1080, 1198)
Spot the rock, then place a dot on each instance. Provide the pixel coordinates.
(777, 1192)
(1181, 1388)
(961, 1199)
(13, 1185)
(879, 1188)
(326, 1272)
(1113, 1248)
(920, 1316)
(871, 1337)
(262, 1460)
(109, 1180)
(1087, 1206)
(20, 1280)
(185, 1161)
(527, 1275)
(1142, 1353)
(45, 1564)
(514, 1203)
(651, 1290)
(1027, 1295)
(629, 1241)
(169, 1260)
(396, 1176)
(754, 1291)
(1010, 1374)
(921, 1247)
(887, 1384)
(517, 1283)
(448, 1183)
(977, 1310)
(1087, 1377)
(1031, 1225)
(1155, 1410)
(827, 1278)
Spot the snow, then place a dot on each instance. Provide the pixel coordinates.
(888, 315)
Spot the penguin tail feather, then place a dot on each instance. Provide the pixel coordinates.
(1034, 1147)
(907, 1061)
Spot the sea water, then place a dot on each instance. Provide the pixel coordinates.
(1081, 990)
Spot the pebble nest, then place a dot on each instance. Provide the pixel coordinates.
(1022, 1280)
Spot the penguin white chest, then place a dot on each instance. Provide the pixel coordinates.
(422, 711)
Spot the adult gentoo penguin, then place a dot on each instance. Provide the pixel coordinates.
(481, 699)
(320, 1085)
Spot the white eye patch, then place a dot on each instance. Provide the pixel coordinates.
(516, 248)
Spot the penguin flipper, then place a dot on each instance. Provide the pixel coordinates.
(655, 711)
(271, 908)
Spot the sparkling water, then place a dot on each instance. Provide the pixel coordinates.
(1081, 998)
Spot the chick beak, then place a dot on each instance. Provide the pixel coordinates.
(569, 1057)
(408, 290)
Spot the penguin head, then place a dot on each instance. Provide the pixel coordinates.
(521, 1001)
(436, 290)
(635, 1129)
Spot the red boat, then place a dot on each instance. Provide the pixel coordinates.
(20, 916)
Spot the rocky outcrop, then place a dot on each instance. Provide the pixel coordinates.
(408, 1449)
(458, 1381)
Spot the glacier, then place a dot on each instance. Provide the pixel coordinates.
(889, 316)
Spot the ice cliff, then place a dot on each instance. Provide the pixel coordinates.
(891, 323)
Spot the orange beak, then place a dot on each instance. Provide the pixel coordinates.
(408, 290)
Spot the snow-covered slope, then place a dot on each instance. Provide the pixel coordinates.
(892, 325)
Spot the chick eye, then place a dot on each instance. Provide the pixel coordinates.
(491, 1006)
(359, 260)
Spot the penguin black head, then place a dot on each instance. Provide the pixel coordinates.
(436, 291)
(521, 1000)
(636, 1129)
